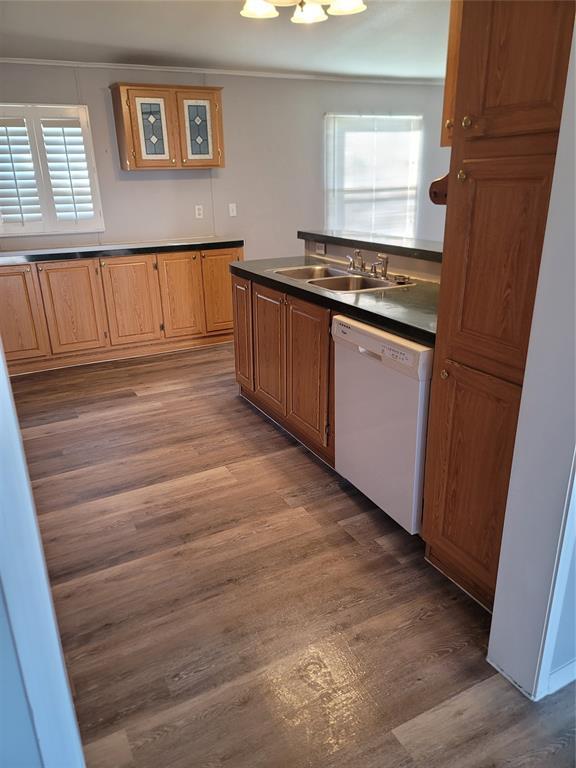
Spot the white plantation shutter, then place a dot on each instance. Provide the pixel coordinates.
(68, 169)
(19, 197)
(372, 167)
(48, 181)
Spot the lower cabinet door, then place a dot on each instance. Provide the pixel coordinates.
(243, 353)
(182, 295)
(217, 287)
(269, 317)
(22, 322)
(471, 435)
(72, 292)
(307, 369)
(132, 296)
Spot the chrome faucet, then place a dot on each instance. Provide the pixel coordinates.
(356, 262)
(384, 260)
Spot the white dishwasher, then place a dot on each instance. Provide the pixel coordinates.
(381, 408)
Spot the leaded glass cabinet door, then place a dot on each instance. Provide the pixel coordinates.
(154, 120)
(200, 127)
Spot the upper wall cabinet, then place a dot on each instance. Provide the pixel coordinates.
(168, 127)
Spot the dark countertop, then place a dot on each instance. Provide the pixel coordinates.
(13, 258)
(409, 311)
(427, 250)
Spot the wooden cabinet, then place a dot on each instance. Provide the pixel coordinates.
(243, 350)
(283, 361)
(269, 318)
(182, 293)
(511, 74)
(22, 322)
(200, 127)
(217, 287)
(161, 126)
(452, 57)
(495, 237)
(307, 369)
(472, 428)
(132, 295)
(512, 67)
(72, 293)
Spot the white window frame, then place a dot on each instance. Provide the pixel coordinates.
(33, 114)
(333, 154)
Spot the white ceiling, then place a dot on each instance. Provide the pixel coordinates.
(393, 38)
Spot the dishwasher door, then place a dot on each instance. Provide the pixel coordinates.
(381, 407)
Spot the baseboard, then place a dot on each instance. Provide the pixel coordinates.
(562, 677)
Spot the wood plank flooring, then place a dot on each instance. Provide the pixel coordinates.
(227, 601)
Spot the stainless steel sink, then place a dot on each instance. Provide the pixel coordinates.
(305, 273)
(353, 283)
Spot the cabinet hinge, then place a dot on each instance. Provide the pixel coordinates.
(105, 334)
(161, 326)
(156, 265)
(97, 271)
(327, 431)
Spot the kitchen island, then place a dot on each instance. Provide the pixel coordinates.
(283, 347)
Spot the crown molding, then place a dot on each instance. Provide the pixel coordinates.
(435, 81)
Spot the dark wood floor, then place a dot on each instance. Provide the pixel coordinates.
(225, 600)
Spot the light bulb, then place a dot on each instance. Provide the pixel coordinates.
(258, 9)
(346, 7)
(308, 13)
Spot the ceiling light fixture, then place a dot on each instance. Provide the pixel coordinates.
(259, 9)
(306, 11)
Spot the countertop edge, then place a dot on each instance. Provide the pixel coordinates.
(14, 258)
(395, 249)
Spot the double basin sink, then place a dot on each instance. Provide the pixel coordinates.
(340, 281)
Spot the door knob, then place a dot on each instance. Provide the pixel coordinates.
(448, 124)
(466, 121)
(444, 373)
(461, 176)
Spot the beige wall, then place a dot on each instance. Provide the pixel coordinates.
(274, 156)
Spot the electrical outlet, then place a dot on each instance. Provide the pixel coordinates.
(199, 211)
(232, 209)
(320, 249)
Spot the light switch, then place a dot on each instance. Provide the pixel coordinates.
(232, 209)
(199, 209)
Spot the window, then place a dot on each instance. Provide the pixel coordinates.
(372, 169)
(48, 180)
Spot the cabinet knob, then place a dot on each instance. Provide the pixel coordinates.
(183, 160)
(28, 269)
(193, 257)
(461, 176)
(102, 263)
(173, 159)
(449, 124)
(40, 269)
(444, 374)
(466, 121)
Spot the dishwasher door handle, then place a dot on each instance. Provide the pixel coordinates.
(369, 353)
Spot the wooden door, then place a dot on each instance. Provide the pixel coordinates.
(269, 318)
(494, 242)
(218, 287)
(182, 294)
(307, 369)
(243, 352)
(512, 66)
(200, 127)
(451, 79)
(132, 294)
(473, 424)
(72, 293)
(22, 323)
(154, 126)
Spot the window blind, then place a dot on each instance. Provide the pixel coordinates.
(48, 181)
(68, 169)
(19, 198)
(372, 165)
